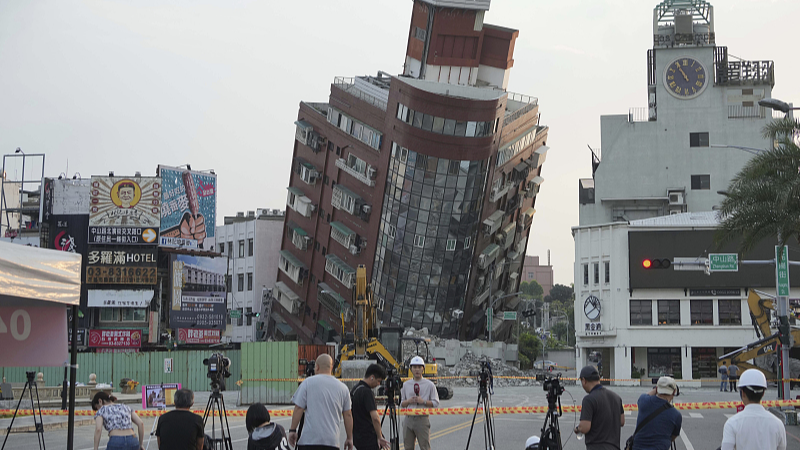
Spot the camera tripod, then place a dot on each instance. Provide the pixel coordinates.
(38, 427)
(485, 399)
(394, 435)
(551, 434)
(217, 402)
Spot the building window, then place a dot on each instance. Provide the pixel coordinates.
(698, 139)
(530, 275)
(451, 245)
(596, 273)
(240, 320)
(250, 281)
(664, 361)
(702, 312)
(249, 315)
(222, 247)
(419, 241)
(467, 242)
(641, 312)
(241, 249)
(669, 312)
(250, 247)
(585, 274)
(419, 33)
(701, 181)
(730, 312)
(133, 315)
(391, 230)
(704, 362)
(241, 282)
(607, 271)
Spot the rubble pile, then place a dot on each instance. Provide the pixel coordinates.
(470, 365)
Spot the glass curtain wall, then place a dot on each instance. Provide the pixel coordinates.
(429, 221)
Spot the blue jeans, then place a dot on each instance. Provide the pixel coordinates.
(724, 384)
(122, 443)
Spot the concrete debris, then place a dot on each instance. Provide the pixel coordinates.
(469, 368)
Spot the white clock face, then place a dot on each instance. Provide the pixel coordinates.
(591, 307)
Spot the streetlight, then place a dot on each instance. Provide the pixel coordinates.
(752, 150)
(779, 105)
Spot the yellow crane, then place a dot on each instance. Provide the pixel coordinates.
(368, 338)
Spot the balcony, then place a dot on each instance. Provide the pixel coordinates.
(367, 177)
(526, 218)
(300, 238)
(538, 157)
(488, 255)
(343, 235)
(747, 112)
(480, 298)
(331, 300)
(346, 200)
(297, 201)
(287, 298)
(340, 270)
(292, 267)
(517, 105)
(493, 222)
(348, 84)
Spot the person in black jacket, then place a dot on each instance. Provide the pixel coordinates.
(263, 434)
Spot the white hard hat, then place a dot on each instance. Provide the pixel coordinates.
(417, 361)
(753, 378)
(532, 443)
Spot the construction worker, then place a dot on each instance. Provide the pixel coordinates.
(754, 428)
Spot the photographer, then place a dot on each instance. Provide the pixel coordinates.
(602, 415)
(658, 432)
(415, 394)
(367, 434)
(181, 429)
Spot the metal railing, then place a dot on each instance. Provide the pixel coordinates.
(746, 112)
(530, 103)
(639, 114)
(347, 84)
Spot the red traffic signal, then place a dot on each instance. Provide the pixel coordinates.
(664, 263)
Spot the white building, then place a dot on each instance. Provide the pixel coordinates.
(659, 161)
(252, 245)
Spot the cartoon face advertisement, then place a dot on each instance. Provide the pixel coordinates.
(188, 208)
(121, 201)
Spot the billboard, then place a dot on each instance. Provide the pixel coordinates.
(188, 208)
(125, 202)
(121, 265)
(115, 338)
(68, 233)
(32, 336)
(107, 298)
(198, 292)
(65, 197)
(193, 336)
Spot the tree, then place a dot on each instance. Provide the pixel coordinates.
(530, 346)
(560, 292)
(763, 199)
(532, 290)
(561, 330)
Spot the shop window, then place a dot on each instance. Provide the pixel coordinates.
(641, 312)
(730, 312)
(704, 362)
(663, 361)
(702, 312)
(669, 312)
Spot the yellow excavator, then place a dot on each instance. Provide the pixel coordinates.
(769, 342)
(370, 341)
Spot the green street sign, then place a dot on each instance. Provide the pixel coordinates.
(235, 314)
(782, 270)
(509, 315)
(723, 262)
(489, 319)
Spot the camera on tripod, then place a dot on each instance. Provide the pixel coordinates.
(484, 375)
(218, 370)
(551, 385)
(392, 384)
(310, 367)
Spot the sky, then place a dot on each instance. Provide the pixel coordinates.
(123, 86)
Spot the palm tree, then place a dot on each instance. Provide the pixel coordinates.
(763, 199)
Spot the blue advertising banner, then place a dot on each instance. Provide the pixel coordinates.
(188, 208)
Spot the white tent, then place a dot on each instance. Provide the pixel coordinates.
(30, 273)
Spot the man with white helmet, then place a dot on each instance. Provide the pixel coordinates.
(418, 393)
(754, 428)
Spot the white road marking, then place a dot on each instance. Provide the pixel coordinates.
(695, 415)
(628, 413)
(685, 440)
(729, 415)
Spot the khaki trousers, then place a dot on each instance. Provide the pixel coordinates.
(417, 428)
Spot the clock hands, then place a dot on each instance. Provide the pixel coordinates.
(683, 73)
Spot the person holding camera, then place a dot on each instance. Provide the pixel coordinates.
(753, 428)
(323, 400)
(602, 416)
(658, 423)
(367, 433)
(418, 393)
(181, 429)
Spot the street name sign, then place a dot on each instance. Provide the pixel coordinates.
(509, 315)
(723, 262)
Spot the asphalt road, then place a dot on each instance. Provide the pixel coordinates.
(702, 429)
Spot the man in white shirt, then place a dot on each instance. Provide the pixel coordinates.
(754, 428)
(415, 394)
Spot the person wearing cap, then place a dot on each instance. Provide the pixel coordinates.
(418, 393)
(754, 428)
(602, 416)
(662, 429)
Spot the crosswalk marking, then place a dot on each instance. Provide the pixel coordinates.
(628, 413)
(695, 415)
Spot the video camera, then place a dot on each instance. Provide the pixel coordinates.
(310, 367)
(218, 370)
(552, 385)
(392, 383)
(485, 377)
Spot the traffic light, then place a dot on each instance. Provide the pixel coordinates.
(654, 263)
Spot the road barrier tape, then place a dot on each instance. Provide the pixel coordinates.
(428, 411)
(504, 377)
